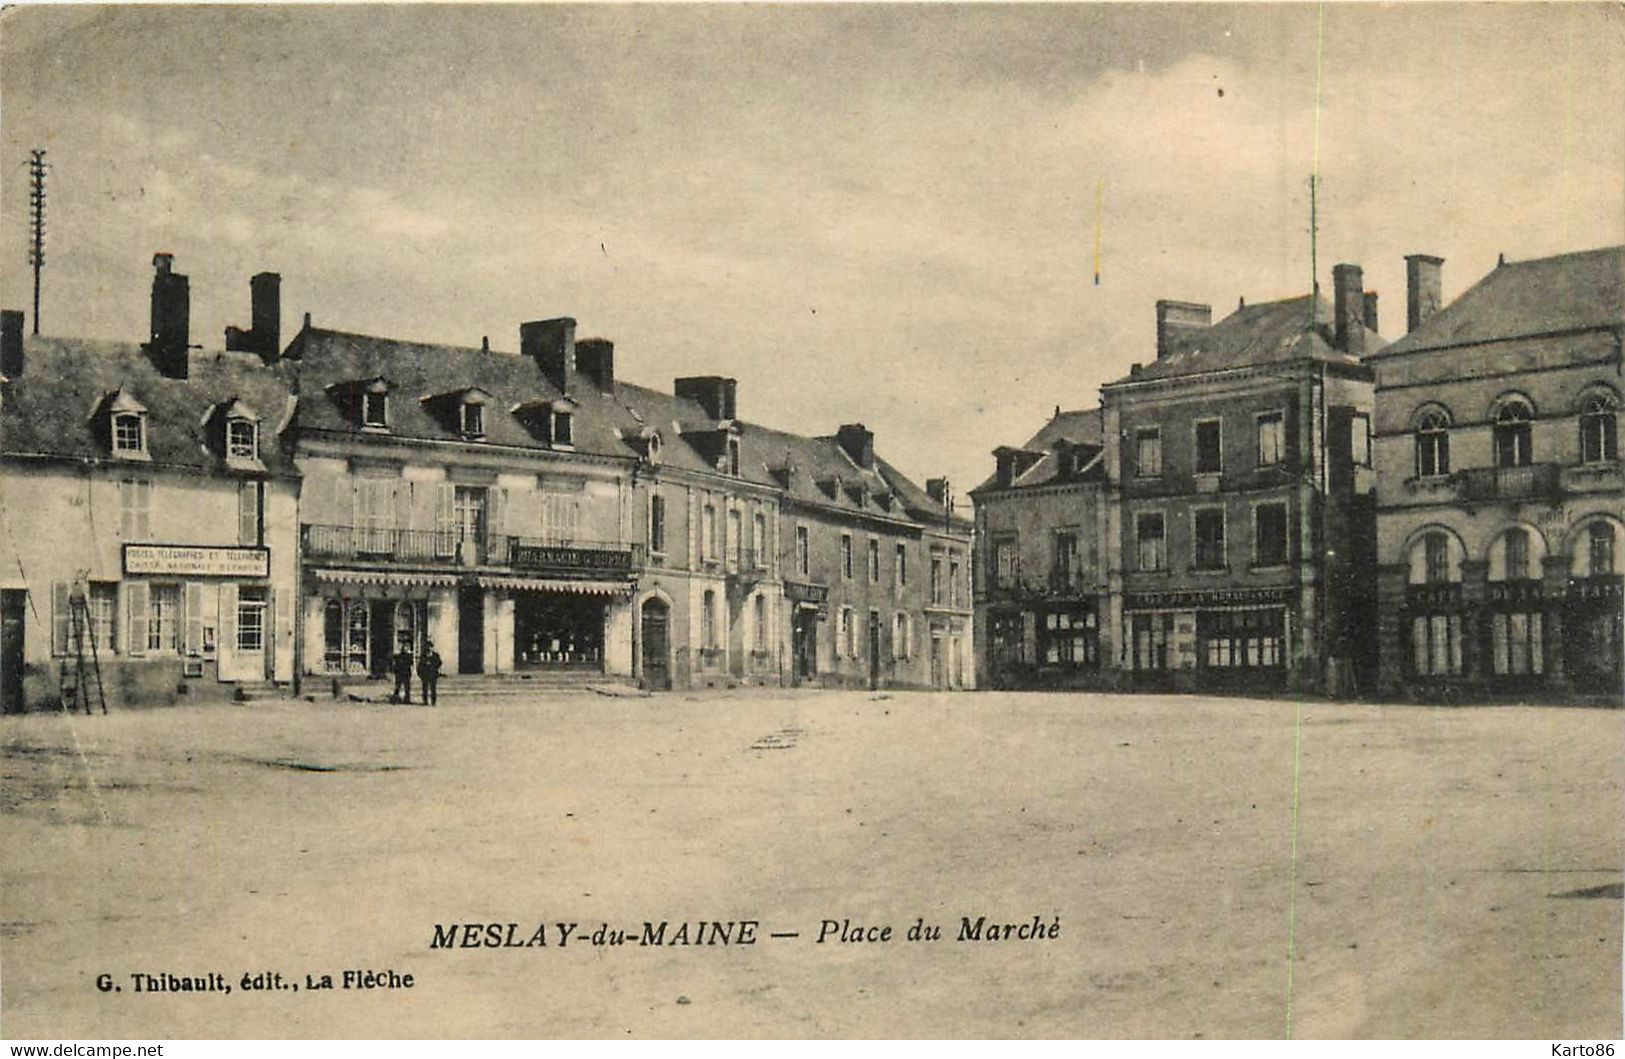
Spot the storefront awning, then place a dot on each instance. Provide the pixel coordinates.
(553, 584)
(383, 577)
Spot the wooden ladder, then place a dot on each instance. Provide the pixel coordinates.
(80, 681)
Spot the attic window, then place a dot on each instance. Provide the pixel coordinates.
(473, 420)
(563, 427)
(242, 439)
(129, 434)
(733, 456)
(375, 409)
(654, 447)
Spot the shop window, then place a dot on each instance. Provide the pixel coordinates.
(1209, 447)
(1512, 434)
(1148, 452)
(1152, 633)
(1245, 639)
(1436, 644)
(1432, 444)
(1070, 637)
(1599, 430)
(1516, 644)
(1008, 644)
(1269, 535)
(1152, 545)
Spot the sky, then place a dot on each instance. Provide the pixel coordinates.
(881, 214)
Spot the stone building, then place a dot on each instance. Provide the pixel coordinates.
(1499, 482)
(157, 483)
(1041, 584)
(1239, 527)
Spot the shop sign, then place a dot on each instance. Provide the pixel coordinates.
(196, 560)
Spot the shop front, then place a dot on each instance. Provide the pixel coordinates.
(1221, 638)
(809, 605)
(1593, 613)
(558, 624)
(356, 620)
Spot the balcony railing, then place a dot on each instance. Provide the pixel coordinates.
(448, 549)
(1535, 480)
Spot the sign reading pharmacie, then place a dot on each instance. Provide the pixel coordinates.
(196, 560)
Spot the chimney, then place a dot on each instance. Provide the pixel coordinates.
(1348, 309)
(485, 343)
(264, 336)
(1369, 310)
(171, 313)
(859, 443)
(1177, 318)
(11, 343)
(1423, 286)
(552, 345)
(939, 490)
(595, 358)
(713, 393)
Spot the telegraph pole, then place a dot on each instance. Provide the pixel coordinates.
(36, 215)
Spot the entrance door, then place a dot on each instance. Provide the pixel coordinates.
(470, 630)
(382, 646)
(874, 650)
(937, 674)
(656, 646)
(804, 644)
(13, 607)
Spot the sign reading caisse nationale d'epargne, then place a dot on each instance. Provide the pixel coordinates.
(197, 560)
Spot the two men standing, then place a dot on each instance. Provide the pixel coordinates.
(428, 673)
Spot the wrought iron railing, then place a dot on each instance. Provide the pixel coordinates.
(1511, 483)
(448, 548)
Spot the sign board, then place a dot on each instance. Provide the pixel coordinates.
(196, 560)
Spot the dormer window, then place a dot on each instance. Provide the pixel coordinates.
(473, 420)
(563, 427)
(654, 447)
(375, 409)
(733, 456)
(129, 433)
(242, 439)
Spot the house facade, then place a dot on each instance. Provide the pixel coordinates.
(1041, 586)
(156, 484)
(1499, 483)
(1239, 527)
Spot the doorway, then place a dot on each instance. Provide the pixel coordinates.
(13, 608)
(874, 650)
(804, 644)
(656, 645)
(470, 629)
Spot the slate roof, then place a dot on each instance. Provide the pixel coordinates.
(1275, 332)
(607, 422)
(48, 411)
(1521, 299)
(1079, 428)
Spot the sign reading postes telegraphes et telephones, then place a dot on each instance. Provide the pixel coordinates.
(188, 560)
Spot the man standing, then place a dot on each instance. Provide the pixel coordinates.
(429, 673)
(402, 664)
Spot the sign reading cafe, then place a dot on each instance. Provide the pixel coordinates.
(196, 560)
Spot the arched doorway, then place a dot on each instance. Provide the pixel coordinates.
(656, 641)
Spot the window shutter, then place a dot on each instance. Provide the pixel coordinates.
(59, 617)
(271, 624)
(247, 517)
(226, 648)
(136, 601)
(194, 618)
(499, 511)
(403, 504)
(444, 526)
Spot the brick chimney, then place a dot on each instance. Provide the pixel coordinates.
(264, 336)
(942, 492)
(595, 358)
(552, 345)
(171, 318)
(713, 393)
(11, 343)
(1423, 288)
(1179, 318)
(1370, 310)
(859, 443)
(1348, 309)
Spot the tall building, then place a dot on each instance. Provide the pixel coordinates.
(1041, 587)
(1499, 482)
(1239, 528)
(156, 483)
